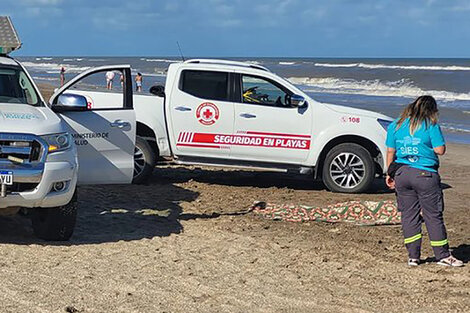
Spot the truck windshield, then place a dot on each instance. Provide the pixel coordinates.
(15, 87)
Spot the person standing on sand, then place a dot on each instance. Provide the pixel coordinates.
(62, 76)
(121, 79)
(414, 142)
(138, 82)
(109, 79)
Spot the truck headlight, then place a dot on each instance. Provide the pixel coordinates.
(58, 142)
(384, 123)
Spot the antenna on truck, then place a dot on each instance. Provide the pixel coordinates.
(179, 48)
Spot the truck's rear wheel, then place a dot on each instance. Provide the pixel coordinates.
(144, 161)
(348, 168)
(55, 224)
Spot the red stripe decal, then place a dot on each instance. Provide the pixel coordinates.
(255, 141)
(207, 140)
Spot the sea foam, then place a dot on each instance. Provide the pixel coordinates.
(400, 88)
(160, 60)
(48, 67)
(403, 67)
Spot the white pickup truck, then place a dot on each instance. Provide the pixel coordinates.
(40, 166)
(225, 113)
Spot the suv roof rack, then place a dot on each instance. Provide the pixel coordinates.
(227, 62)
(9, 40)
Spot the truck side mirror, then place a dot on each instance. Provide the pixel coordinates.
(297, 101)
(71, 102)
(158, 90)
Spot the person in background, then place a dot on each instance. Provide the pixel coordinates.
(138, 82)
(414, 142)
(121, 79)
(109, 79)
(62, 76)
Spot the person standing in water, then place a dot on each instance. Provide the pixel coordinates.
(138, 82)
(414, 142)
(109, 79)
(62, 76)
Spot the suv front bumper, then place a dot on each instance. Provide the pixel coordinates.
(43, 194)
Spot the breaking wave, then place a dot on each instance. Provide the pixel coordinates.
(253, 62)
(455, 128)
(400, 88)
(160, 60)
(403, 67)
(45, 78)
(55, 67)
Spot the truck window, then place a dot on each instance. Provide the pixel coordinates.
(15, 87)
(256, 90)
(207, 85)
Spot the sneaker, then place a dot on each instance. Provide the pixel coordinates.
(450, 261)
(413, 262)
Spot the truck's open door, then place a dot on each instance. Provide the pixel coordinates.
(97, 107)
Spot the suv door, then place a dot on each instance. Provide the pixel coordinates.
(276, 131)
(102, 123)
(201, 113)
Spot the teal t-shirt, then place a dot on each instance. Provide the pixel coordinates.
(416, 150)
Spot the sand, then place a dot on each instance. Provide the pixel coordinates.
(182, 243)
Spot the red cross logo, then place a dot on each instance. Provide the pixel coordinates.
(207, 113)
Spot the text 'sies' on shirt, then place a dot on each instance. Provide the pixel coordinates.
(416, 150)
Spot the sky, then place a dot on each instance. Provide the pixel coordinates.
(242, 28)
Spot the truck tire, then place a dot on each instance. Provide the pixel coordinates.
(55, 224)
(348, 168)
(144, 161)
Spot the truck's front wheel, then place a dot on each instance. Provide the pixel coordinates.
(144, 161)
(55, 224)
(348, 168)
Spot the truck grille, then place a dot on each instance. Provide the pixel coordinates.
(21, 187)
(22, 147)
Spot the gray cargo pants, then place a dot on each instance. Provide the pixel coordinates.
(419, 197)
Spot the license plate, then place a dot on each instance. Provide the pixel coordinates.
(6, 178)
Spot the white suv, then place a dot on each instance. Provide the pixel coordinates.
(40, 166)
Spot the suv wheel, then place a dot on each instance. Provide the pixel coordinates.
(348, 168)
(55, 224)
(144, 161)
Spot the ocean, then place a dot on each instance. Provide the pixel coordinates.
(381, 85)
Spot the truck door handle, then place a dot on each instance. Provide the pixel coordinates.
(247, 115)
(183, 109)
(120, 124)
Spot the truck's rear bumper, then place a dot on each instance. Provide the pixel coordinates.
(43, 195)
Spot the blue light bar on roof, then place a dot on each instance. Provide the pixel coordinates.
(9, 40)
